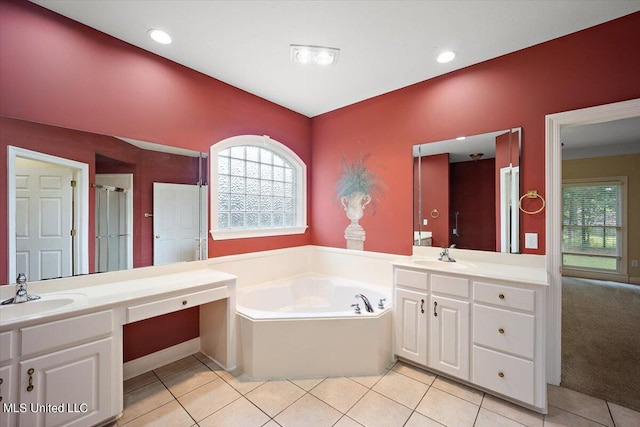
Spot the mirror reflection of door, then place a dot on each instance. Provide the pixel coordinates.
(43, 220)
(114, 222)
(176, 223)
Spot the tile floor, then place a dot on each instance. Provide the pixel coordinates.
(196, 392)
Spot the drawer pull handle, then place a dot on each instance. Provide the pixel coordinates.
(501, 374)
(435, 305)
(1, 381)
(501, 296)
(30, 373)
(421, 306)
(501, 331)
(184, 302)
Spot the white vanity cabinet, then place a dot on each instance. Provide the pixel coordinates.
(485, 332)
(8, 390)
(67, 373)
(410, 315)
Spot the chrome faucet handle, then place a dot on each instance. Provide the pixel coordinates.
(357, 308)
(381, 303)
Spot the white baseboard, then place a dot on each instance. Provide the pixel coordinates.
(151, 361)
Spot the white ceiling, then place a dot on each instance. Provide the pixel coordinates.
(385, 45)
(613, 138)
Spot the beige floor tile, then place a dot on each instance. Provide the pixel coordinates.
(273, 397)
(514, 412)
(580, 404)
(375, 410)
(624, 417)
(176, 366)
(368, 381)
(447, 409)
(560, 418)
(169, 415)
(341, 393)
(139, 381)
(307, 383)
(415, 373)
(308, 411)
(487, 418)
(462, 391)
(238, 413)
(143, 400)
(200, 356)
(272, 424)
(186, 380)
(241, 382)
(347, 422)
(402, 389)
(419, 420)
(205, 400)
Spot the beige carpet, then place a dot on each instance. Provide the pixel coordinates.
(601, 340)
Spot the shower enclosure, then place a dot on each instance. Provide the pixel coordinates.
(113, 222)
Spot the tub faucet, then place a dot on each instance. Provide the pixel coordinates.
(21, 292)
(367, 304)
(444, 255)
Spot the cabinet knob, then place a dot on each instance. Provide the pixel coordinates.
(30, 373)
(501, 331)
(501, 296)
(501, 374)
(184, 302)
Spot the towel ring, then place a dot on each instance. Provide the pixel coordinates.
(533, 194)
(435, 213)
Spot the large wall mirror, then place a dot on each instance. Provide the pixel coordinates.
(466, 192)
(80, 202)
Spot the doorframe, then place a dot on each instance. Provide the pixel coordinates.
(554, 123)
(81, 176)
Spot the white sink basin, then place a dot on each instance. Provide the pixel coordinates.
(47, 303)
(435, 263)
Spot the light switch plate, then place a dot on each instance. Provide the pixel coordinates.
(425, 221)
(531, 240)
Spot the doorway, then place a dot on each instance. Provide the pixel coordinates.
(65, 215)
(555, 123)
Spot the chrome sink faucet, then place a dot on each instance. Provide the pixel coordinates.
(21, 292)
(367, 304)
(444, 255)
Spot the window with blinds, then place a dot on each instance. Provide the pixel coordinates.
(592, 224)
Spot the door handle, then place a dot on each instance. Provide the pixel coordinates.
(421, 306)
(435, 305)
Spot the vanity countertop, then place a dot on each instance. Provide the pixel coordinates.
(490, 270)
(108, 290)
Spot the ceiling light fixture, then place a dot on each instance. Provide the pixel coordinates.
(319, 55)
(446, 56)
(461, 138)
(159, 36)
(476, 156)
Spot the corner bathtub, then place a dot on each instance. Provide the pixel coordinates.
(305, 327)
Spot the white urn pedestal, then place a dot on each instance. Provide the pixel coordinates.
(354, 207)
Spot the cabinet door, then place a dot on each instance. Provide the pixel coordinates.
(70, 387)
(449, 343)
(8, 400)
(411, 325)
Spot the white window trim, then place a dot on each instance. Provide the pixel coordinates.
(622, 260)
(282, 150)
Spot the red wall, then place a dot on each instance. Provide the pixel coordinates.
(54, 70)
(435, 196)
(576, 71)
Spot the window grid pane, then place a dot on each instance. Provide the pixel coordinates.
(256, 189)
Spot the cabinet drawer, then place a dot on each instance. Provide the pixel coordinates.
(411, 279)
(508, 375)
(504, 330)
(169, 305)
(457, 286)
(6, 345)
(505, 296)
(65, 332)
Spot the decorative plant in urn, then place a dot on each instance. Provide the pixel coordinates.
(356, 187)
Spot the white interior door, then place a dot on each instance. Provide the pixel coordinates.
(43, 222)
(176, 223)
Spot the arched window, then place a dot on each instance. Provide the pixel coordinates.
(258, 188)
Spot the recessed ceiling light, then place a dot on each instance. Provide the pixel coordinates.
(313, 54)
(446, 56)
(460, 138)
(160, 36)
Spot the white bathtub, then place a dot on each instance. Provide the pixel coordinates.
(305, 327)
